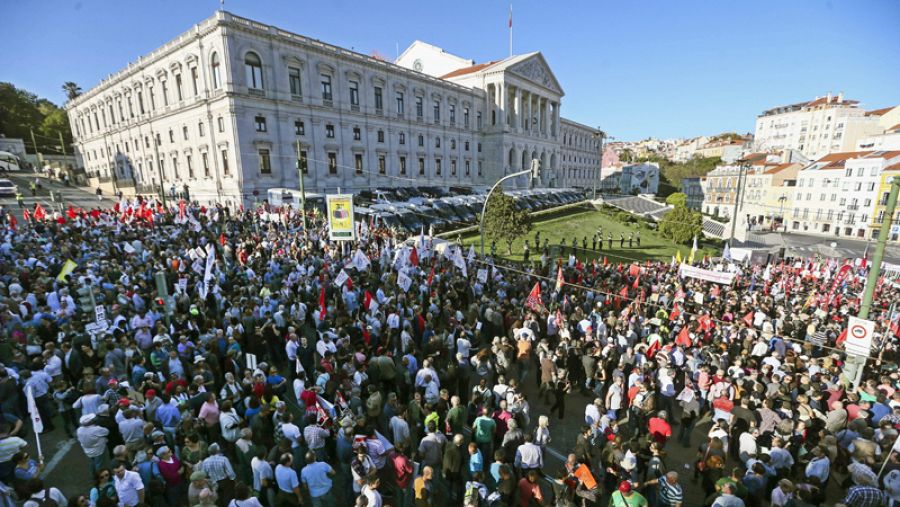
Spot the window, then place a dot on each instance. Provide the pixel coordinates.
(421, 141)
(437, 111)
(304, 162)
(204, 159)
(466, 145)
(332, 162)
(357, 134)
(479, 149)
(420, 108)
(299, 128)
(466, 117)
(265, 166)
(403, 165)
(860, 171)
(479, 164)
(326, 87)
(871, 187)
(358, 162)
(329, 131)
(140, 99)
(468, 169)
(400, 103)
(380, 136)
(402, 137)
(190, 166)
(171, 136)
(382, 165)
(177, 87)
(437, 167)
(354, 94)
(421, 166)
(158, 139)
(194, 83)
(184, 132)
(452, 114)
(453, 144)
(200, 129)
(216, 71)
(147, 141)
(260, 123)
(225, 162)
(175, 168)
(453, 168)
(379, 99)
(162, 169)
(478, 121)
(152, 101)
(221, 122)
(294, 81)
(165, 94)
(437, 142)
(253, 69)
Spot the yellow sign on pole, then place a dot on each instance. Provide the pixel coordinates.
(340, 217)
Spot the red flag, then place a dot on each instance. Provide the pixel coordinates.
(349, 283)
(39, 213)
(637, 281)
(431, 275)
(182, 207)
(605, 261)
(624, 292)
(71, 212)
(366, 336)
(634, 270)
(222, 239)
(653, 348)
(560, 281)
(414, 257)
(684, 338)
(841, 338)
(706, 323)
(367, 300)
(534, 298)
(675, 313)
(25, 215)
(748, 319)
(13, 223)
(322, 303)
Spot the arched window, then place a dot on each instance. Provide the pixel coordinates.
(216, 71)
(253, 66)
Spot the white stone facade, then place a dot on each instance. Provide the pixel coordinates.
(580, 166)
(226, 110)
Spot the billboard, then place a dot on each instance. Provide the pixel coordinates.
(340, 217)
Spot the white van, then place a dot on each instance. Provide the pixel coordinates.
(292, 197)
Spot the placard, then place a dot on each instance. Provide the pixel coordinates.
(340, 217)
(859, 336)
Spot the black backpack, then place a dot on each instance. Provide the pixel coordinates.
(47, 501)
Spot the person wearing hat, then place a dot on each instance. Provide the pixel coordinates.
(626, 496)
(93, 440)
(198, 482)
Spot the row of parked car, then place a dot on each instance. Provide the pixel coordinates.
(412, 209)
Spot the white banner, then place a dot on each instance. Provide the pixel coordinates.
(208, 274)
(482, 275)
(403, 281)
(36, 422)
(859, 336)
(341, 278)
(706, 274)
(360, 261)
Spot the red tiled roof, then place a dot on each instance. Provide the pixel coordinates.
(836, 160)
(895, 127)
(879, 112)
(468, 70)
(778, 168)
(834, 100)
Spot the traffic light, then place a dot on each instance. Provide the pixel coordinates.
(86, 300)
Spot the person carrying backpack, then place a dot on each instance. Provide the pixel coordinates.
(476, 491)
(42, 496)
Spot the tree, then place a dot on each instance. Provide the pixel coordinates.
(72, 89)
(677, 199)
(681, 224)
(22, 112)
(503, 222)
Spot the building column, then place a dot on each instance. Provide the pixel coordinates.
(556, 121)
(528, 113)
(539, 128)
(518, 123)
(501, 110)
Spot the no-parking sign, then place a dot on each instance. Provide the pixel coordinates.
(859, 336)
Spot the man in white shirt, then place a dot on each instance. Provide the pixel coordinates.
(129, 486)
(290, 430)
(370, 491)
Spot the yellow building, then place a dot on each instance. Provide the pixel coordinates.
(884, 189)
(770, 194)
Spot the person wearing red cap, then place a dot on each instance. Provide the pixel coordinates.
(626, 496)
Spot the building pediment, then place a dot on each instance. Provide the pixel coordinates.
(535, 69)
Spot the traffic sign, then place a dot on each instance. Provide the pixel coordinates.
(859, 336)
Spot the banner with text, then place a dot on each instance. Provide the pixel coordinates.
(340, 217)
(706, 274)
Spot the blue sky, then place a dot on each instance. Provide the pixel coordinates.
(635, 68)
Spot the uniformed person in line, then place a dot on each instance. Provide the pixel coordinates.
(637, 237)
(546, 246)
(609, 239)
(594, 242)
(526, 251)
(20, 199)
(630, 239)
(574, 244)
(584, 243)
(493, 248)
(621, 240)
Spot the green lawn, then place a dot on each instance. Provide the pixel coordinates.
(579, 224)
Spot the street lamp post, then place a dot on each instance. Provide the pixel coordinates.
(602, 135)
(534, 171)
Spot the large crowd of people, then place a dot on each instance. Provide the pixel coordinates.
(241, 360)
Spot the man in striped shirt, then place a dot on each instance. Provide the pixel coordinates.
(670, 492)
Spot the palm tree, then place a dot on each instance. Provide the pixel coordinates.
(72, 89)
